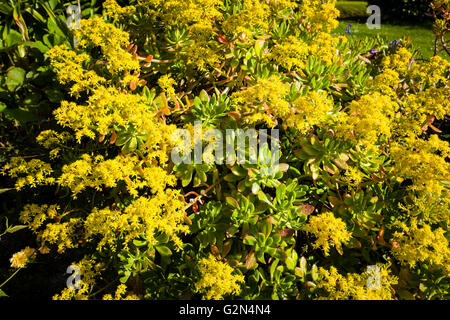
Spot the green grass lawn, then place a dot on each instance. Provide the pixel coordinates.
(354, 13)
(421, 35)
(349, 9)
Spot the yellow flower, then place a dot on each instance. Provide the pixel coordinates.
(290, 53)
(20, 259)
(321, 14)
(51, 139)
(35, 215)
(117, 12)
(120, 294)
(112, 41)
(430, 73)
(89, 270)
(314, 108)
(253, 15)
(418, 242)
(97, 173)
(325, 47)
(434, 102)
(162, 213)
(387, 81)
(71, 68)
(424, 162)
(368, 119)
(429, 207)
(60, 234)
(198, 17)
(329, 231)
(353, 177)
(264, 100)
(32, 173)
(399, 61)
(166, 82)
(217, 279)
(356, 286)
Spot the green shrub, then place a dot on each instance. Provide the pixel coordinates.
(343, 195)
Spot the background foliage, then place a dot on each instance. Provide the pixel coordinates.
(403, 10)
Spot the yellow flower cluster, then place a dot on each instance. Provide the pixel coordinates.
(263, 102)
(367, 119)
(313, 108)
(32, 173)
(163, 213)
(189, 11)
(21, 258)
(353, 177)
(419, 107)
(289, 53)
(324, 46)
(386, 82)
(89, 270)
(72, 68)
(166, 82)
(109, 107)
(60, 234)
(398, 61)
(322, 15)
(428, 209)
(76, 67)
(282, 4)
(198, 16)
(355, 286)
(95, 172)
(253, 16)
(51, 139)
(217, 279)
(95, 32)
(329, 231)
(34, 215)
(424, 162)
(400, 123)
(430, 73)
(293, 53)
(120, 294)
(111, 8)
(418, 242)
